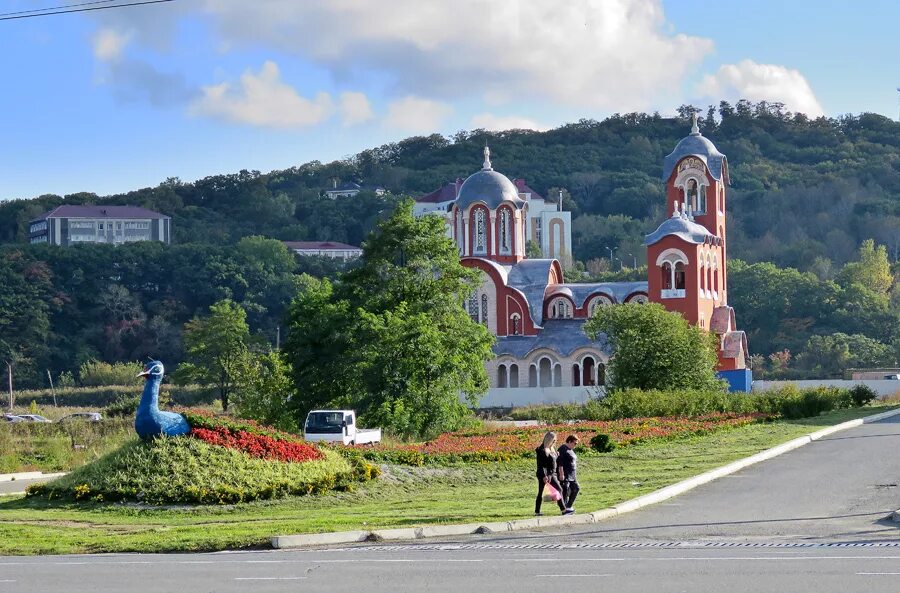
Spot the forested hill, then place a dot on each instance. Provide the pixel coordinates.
(806, 193)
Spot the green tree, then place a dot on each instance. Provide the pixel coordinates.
(217, 349)
(533, 250)
(873, 270)
(655, 349)
(391, 337)
(265, 394)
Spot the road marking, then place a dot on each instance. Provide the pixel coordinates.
(7, 581)
(573, 576)
(268, 578)
(875, 573)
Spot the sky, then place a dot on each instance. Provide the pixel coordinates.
(114, 100)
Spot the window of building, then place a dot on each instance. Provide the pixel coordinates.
(538, 235)
(484, 309)
(667, 277)
(513, 375)
(480, 231)
(473, 307)
(576, 376)
(501, 376)
(532, 376)
(515, 321)
(679, 276)
(545, 372)
(589, 371)
(691, 194)
(557, 375)
(598, 301)
(560, 308)
(504, 230)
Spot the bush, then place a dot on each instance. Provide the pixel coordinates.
(186, 470)
(27, 446)
(95, 373)
(99, 397)
(602, 443)
(862, 395)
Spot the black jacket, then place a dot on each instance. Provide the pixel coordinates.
(546, 463)
(568, 463)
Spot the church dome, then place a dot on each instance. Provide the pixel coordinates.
(683, 228)
(701, 147)
(488, 186)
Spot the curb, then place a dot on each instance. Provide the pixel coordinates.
(412, 533)
(28, 476)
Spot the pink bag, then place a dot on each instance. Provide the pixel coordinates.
(551, 494)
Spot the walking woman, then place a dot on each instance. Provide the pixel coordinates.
(546, 471)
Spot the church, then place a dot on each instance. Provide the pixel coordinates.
(542, 354)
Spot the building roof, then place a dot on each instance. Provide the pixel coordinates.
(563, 336)
(319, 245)
(531, 277)
(488, 186)
(580, 293)
(445, 193)
(523, 188)
(74, 211)
(684, 228)
(697, 145)
(346, 186)
(722, 320)
(734, 344)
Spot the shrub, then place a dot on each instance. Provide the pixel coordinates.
(602, 443)
(186, 470)
(862, 395)
(99, 397)
(95, 373)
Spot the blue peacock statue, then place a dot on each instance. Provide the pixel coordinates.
(149, 421)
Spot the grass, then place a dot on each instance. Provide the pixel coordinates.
(403, 496)
(59, 447)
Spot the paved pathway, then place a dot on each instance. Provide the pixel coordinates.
(811, 520)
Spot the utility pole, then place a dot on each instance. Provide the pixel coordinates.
(277, 337)
(53, 391)
(633, 262)
(611, 259)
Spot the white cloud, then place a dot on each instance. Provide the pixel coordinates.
(263, 100)
(605, 54)
(109, 44)
(762, 82)
(355, 108)
(498, 123)
(414, 114)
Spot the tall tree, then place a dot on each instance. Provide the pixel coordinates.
(655, 348)
(217, 349)
(391, 337)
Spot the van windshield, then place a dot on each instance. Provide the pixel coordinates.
(325, 422)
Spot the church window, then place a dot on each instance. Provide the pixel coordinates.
(709, 277)
(484, 309)
(679, 276)
(691, 194)
(501, 376)
(504, 230)
(666, 276)
(560, 308)
(589, 366)
(532, 376)
(701, 201)
(576, 376)
(473, 307)
(557, 375)
(515, 321)
(513, 375)
(545, 372)
(480, 226)
(599, 301)
(702, 278)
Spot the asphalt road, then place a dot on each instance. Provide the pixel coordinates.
(18, 486)
(814, 519)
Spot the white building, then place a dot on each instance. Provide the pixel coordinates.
(325, 249)
(70, 224)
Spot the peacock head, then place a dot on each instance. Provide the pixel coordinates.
(153, 368)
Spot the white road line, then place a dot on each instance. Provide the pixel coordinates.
(708, 558)
(7, 581)
(268, 578)
(565, 576)
(878, 573)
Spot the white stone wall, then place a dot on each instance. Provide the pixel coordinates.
(527, 396)
(565, 363)
(882, 387)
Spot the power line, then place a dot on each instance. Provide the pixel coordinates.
(15, 16)
(49, 8)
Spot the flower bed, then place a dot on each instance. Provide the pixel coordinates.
(505, 444)
(254, 439)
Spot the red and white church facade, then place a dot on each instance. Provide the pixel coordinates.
(542, 352)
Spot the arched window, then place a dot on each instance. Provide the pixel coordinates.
(532, 376)
(702, 278)
(560, 308)
(484, 309)
(473, 307)
(545, 372)
(709, 276)
(504, 230)
(679, 276)
(515, 321)
(557, 375)
(598, 301)
(691, 194)
(667, 276)
(513, 375)
(715, 277)
(576, 376)
(701, 200)
(501, 376)
(588, 370)
(480, 230)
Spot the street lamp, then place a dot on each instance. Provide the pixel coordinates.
(633, 262)
(611, 259)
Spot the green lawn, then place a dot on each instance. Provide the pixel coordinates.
(402, 496)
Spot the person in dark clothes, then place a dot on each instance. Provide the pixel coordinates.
(546, 471)
(568, 462)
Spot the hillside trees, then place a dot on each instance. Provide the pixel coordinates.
(390, 338)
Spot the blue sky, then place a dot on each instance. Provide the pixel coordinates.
(122, 99)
